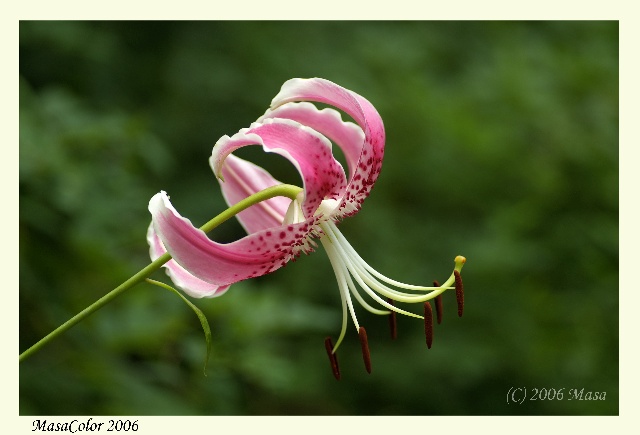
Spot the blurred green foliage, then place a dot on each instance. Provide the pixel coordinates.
(502, 145)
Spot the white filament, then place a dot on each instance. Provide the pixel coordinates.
(347, 264)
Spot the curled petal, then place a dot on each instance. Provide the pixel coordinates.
(182, 279)
(347, 135)
(224, 264)
(360, 109)
(241, 180)
(309, 151)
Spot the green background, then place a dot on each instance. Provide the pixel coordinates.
(502, 145)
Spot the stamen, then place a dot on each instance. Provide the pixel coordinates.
(392, 322)
(343, 258)
(438, 303)
(365, 348)
(428, 323)
(339, 237)
(333, 358)
(459, 292)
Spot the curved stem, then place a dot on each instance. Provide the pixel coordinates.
(271, 192)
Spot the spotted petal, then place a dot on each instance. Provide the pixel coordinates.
(322, 175)
(224, 264)
(360, 109)
(182, 279)
(241, 180)
(347, 135)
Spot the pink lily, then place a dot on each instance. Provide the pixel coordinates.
(280, 229)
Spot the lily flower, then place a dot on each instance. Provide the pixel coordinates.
(280, 229)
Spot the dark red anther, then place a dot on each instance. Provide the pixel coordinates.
(428, 323)
(333, 358)
(365, 348)
(459, 292)
(392, 322)
(438, 303)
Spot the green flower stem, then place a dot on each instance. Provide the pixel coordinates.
(271, 192)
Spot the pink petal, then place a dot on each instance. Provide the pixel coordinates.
(361, 110)
(347, 135)
(224, 264)
(322, 175)
(182, 279)
(241, 180)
